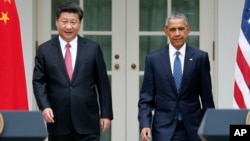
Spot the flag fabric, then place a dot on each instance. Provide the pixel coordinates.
(13, 91)
(241, 98)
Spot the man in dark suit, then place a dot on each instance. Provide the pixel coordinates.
(178, 105)
(69, 71)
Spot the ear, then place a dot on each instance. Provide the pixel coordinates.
(56, 22)
(189, 29)
(165, 31)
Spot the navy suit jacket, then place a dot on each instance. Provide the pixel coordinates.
(74, 100)
(159, 94)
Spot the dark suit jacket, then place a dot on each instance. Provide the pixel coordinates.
(159, 93)
(74, 100)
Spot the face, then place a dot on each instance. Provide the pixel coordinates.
(68, 25)
(177, 32)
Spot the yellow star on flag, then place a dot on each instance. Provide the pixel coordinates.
(4, 17)
(7, 1)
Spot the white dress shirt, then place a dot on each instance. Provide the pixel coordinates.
(73, 49)
(172, 55)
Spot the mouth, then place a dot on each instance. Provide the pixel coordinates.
(177, 40)
(68, 33)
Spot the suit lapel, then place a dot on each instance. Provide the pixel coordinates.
(188, 62)
(165, 60)
(81, 51)
(56, 52)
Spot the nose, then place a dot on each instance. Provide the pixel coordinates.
(177, 32)
(68, 26)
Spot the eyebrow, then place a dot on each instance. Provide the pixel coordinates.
(175, 28)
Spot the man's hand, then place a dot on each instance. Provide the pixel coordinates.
(145, 134)
(48, 115)
(105, 124)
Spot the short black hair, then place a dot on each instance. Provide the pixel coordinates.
(70, 7)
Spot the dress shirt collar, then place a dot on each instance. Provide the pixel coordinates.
(172, 50)
(73, 43)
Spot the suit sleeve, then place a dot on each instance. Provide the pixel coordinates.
(39, 83)
(103, 86)
(206, 91)
(147, 97)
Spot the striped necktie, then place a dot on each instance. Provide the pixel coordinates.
(177, 71)
(178, 76)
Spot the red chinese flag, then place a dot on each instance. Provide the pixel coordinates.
(13, 92)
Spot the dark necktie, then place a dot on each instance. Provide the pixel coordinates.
(177, 71)
(68, 61)
(178, 75)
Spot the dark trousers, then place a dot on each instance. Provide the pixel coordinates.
(75, 137)
(180, 133)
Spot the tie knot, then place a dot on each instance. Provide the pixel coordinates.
(177, 53)
(68, 45)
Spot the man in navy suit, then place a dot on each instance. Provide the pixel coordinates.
(177, 108)
(68, 98)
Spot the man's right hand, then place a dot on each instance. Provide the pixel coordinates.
(48, 115)
(145, 134)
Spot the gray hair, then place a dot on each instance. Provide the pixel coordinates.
(176, 15)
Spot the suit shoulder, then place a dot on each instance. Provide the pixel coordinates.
(88, 41)
(197, 51)
(44, 44)
(48, 43)
(158, 51)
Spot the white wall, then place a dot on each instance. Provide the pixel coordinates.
(27, 19)
(229, 20)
